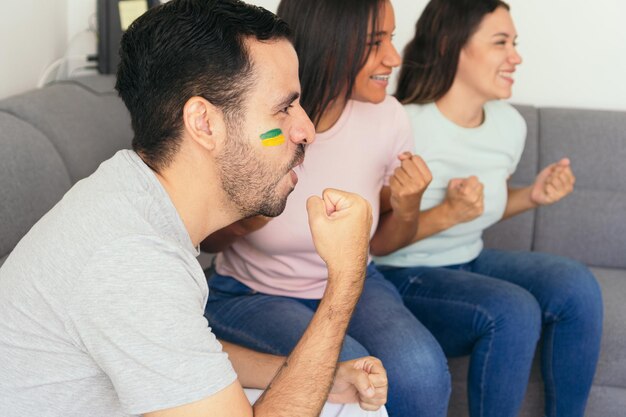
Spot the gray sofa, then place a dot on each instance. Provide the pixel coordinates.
(52, 137)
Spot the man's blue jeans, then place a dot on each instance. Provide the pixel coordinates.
(495, 308)
(419, 382)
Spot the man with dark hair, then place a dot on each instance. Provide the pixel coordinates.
(102, 302)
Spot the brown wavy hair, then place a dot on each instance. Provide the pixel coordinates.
(332, 41)
(431, 58)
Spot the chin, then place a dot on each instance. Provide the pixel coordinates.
(506, 95)
(377, 99)
(273, 210)
(373, 99)
(274, 206)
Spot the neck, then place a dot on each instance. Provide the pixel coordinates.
(194, 188)
(462, 106)
(330, 115)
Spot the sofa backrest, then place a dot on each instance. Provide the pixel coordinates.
(518, 233)
(51, 138)
(84, 119)
(589, 224)
(33, 178)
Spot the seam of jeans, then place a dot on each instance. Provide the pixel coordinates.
(549, 379)
(482, 380)
(484, 370)
(555, 318)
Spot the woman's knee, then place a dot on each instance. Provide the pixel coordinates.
(511, 312)
(578, 296)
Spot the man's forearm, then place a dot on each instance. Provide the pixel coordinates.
(302, 384)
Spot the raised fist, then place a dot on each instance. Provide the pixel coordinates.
(340, 224)
(465, 199)
(408, 183)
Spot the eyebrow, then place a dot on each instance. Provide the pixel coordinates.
(287, 100)
(506, 35)
(381, 32)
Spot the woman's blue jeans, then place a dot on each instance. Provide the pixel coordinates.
(419, 382)
(494, 308)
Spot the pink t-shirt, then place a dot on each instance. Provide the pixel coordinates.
(358, 154)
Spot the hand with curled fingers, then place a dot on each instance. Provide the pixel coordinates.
(465, 199)
(407, 184)
(362, 380)
(340, 225)
(553, 183)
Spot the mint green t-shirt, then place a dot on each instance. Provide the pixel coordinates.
(490, 151)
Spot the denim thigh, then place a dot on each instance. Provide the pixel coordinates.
(381, 326)
(460, 307)
(266, 323)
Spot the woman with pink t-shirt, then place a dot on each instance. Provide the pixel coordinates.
(269, 281)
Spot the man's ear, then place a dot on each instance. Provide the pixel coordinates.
(203, 122)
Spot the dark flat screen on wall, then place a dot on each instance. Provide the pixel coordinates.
(114, 16)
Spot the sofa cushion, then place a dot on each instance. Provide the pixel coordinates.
(32, 179)
(611, 370)
(595, 141)
(86, 121)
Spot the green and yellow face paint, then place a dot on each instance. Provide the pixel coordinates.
(273, 137)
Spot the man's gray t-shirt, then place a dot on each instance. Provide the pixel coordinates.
(101, 305)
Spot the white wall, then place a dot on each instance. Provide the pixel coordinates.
(574, 50)
(574, 53)
(82, 26)
(32, 35)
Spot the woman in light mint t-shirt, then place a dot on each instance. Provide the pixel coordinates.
(490, 304)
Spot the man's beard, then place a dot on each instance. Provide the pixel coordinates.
(249, 182)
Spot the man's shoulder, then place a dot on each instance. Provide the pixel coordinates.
(140, 256)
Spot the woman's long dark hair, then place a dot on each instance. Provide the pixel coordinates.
(332, 41)
(431, 58)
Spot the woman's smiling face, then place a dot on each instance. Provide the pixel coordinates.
(371, 82)
(489, 59)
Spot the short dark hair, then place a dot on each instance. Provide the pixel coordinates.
(187, 48)
(332, 42)
(431, 58)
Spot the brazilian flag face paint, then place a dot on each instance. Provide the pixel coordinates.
(273, 137)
